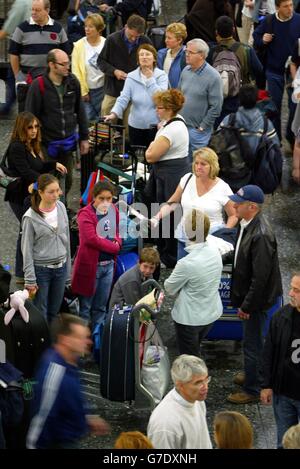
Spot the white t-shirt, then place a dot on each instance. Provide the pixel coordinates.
(51, 217)
(211, 203)
(178, 136)
(94, 76)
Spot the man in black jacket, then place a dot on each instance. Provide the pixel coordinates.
(58, 105)
(256, 284)
(281, 363)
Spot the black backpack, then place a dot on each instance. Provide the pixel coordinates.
(235, 155)
(267, 169)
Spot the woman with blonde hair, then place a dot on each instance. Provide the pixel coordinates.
(84, 65)
(171, 59)
(204, 190)
(233, 430)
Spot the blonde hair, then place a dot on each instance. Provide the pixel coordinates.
(233, 430)
(208, 155)
(96, 21)
(132, 440)
(178, 29)
(291, 438)
(196, 226)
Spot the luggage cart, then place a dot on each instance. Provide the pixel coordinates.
(229, 325)
(142, 397)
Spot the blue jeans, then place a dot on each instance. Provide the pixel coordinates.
(287, 413)
(198, 139)
(275, 85)
(253, 350)
(94, 308)
(93, 106)
(51, 283)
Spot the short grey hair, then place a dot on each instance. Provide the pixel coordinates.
(201, 46)
(185, 366)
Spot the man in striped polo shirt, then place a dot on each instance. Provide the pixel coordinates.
(33, 39)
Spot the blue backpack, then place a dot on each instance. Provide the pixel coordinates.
(267, 169)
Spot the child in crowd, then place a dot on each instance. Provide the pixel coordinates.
(99, 244)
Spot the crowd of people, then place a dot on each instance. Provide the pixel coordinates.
(170, 101)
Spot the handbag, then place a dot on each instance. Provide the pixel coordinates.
(8, 180)
(155, 371)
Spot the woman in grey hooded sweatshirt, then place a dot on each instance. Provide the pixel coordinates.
(46, 247)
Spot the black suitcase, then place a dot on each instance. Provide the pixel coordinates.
(25, 342)
(117, 363)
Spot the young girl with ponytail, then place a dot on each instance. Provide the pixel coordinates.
(46, 247)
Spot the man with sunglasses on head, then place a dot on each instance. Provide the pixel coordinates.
(256, 285)
(59, 106)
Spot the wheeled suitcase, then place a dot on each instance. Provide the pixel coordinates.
(117, 364)
(25, 342)
(229, 326)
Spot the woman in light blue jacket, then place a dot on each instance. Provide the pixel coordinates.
(140, 85)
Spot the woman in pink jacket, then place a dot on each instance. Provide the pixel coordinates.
(99, 244)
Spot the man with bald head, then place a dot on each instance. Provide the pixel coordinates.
(31, 42)
(60, 110)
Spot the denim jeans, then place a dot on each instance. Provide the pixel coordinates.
(253, 350)
(93, 106)
(94, 308)
(275, 85)
(287, 413)
(198, 139)
(51, 283)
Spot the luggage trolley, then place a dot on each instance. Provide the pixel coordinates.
(229, 325)
(123, 383)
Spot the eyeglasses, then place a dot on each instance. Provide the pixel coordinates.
(35, 126)
(63, 64)
(190, 52)
(204, 382)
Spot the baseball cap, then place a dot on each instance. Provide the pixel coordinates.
(248, 193)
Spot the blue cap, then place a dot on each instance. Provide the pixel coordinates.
(248, 193)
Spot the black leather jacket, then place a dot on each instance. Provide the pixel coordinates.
(275, 348)
(256, 279)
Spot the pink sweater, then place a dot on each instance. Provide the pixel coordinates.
(90, 246)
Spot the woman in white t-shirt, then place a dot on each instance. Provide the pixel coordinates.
(202, 190)
(168, 156)
(84, 65)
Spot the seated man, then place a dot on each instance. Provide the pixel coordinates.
(128, 289)
(179, 420)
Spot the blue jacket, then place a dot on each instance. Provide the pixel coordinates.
(177, 66)
(252, 121)
(142, 112)
(58, 406)
(282, 46)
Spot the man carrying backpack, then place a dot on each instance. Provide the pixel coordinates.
(251, 124)
(237, 64)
